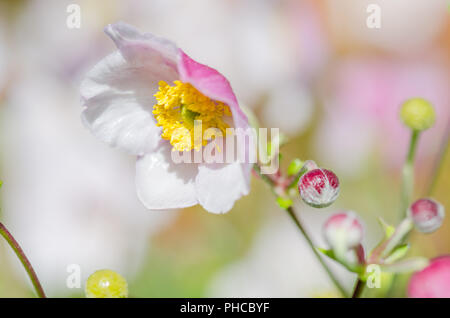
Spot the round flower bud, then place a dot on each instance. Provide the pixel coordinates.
(319, 188)
(343, 229)
(427, 215)
(106, 283)
(418, 114)
(433, 281)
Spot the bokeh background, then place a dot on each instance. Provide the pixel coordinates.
(311, 68)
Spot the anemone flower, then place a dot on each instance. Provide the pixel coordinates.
(139, 98)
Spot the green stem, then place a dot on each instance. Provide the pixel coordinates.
(297, 221)
(407, 189)
(408, 174)
(25, 262)
(359, 287)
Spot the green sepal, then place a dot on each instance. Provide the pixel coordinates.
(397, 253)
(326, 252)
(388, 229)
(358, 269)
(284, 203)
(295, 167)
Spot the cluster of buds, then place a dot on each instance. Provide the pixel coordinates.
(343, 232)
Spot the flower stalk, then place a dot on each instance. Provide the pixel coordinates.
(359, 288)
(23, 259)
(408, 173)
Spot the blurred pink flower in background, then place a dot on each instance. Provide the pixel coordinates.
(311, 42)
(363, 100)
(433, 281)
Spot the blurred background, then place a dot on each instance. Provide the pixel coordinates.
(311, 68)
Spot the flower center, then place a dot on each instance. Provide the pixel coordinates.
(178, 110)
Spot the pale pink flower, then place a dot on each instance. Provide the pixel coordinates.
(118, 97)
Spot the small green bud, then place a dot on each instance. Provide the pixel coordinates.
(106, 283)
(418, 114)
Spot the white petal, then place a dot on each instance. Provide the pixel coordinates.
(143, 48)
(118, 92)
(162, 184)
(218, 185)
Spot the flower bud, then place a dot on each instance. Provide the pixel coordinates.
(418, 114)
(319, 188)
(427, 215)
(433, 281)
(106, 283)
(343, 229)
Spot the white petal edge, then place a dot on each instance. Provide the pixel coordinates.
(137, 46)
(219, 185)
(162, 184)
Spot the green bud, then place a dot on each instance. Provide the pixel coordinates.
(418, 114)
(106, 283)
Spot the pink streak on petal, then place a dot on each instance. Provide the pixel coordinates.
(212, 84)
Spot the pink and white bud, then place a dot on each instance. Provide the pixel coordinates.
(433, 281)
(344, 230)
(319, 188)
(427, 215)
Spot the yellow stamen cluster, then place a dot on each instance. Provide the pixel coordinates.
(178, 110)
